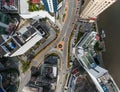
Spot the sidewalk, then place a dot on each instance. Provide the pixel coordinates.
(59, 24)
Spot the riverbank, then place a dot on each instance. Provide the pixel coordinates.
(109, 21)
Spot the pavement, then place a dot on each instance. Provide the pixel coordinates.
(24, 80)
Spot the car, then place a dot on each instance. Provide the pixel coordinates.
(104, 88)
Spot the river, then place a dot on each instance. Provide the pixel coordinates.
(109, 21)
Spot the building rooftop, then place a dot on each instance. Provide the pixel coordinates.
(24, 7)
(51, 60)
(107, 83)
(35, 1)
(9, 6)
(49, 71)
(41, 29)
(10, 46)
(26, 32)
(1, 39)
(2, 51)
(32, 89)
(96, 73)
(4, 18)
(103, 79)
(89, 39)
(24, 48)
(21, 41)
(7, 24)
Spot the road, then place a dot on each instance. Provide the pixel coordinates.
(67, 29)
(65, 33)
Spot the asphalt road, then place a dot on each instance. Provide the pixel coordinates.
(65, 33)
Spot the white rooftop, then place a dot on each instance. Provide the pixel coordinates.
(29, 89)
(27, 45)
(26, 14)
(24, 6)
(55, 71)
(101, 71)
(37, 15)
(23, 30)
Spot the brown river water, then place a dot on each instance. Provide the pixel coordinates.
(109, 21)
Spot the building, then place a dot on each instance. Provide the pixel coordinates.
(89, 40)
(49, 71)
(103, 80)
(35, 1)
(50, 5)
(20, 42)
(7, 24)
(25, 13)
(1, 87)
(32, 89)
(9, 6)
(100, 76)
(92, 8)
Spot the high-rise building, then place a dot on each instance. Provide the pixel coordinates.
(92, 8)
(100, 76)
(50, 5)
(9, 6)
(20, 42)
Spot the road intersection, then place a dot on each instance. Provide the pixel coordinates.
(64, 35)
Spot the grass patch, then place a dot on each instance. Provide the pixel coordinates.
(80, 34)
(63, 17)
(52, 14)
(97, 47)
(69, 57)
(54, 54)
(42, 7)
(35, 7)
(25, 66)
(59, 1)
(58, 17)
(94, 27)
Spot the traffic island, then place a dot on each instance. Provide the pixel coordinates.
(60, 46)
(65, 14)
(63, 18)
